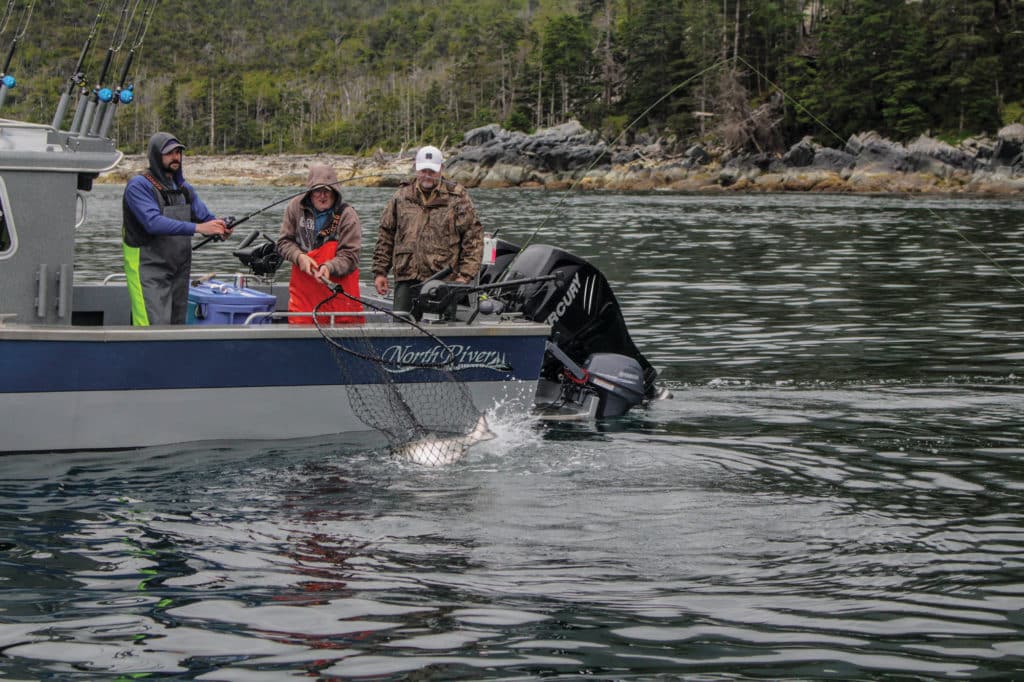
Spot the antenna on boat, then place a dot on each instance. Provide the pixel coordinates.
(124, 94)
(7, 81)
(116, 41)
(77, 77)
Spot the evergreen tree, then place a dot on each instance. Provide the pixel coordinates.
(348, 74)
(966, 64)
(566, 58)
(655, 62)
(907, 101)
(866, 48)
(169, 119)
(1009, 43)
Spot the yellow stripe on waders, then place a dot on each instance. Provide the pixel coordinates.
(131, 273)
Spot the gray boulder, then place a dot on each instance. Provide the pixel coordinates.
(873, 150)
(482, 135)
(1009, 149)
(696, 156)
(1012, 133)
(826, 158)
(942, 152)
(625, 156)
(566, 147)
(801, 154)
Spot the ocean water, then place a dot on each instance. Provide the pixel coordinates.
(834, 490)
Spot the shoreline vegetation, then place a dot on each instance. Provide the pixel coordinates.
(570, 157)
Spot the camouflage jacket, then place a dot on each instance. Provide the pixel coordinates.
(419, 235)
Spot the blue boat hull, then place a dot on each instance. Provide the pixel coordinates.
(75, 389)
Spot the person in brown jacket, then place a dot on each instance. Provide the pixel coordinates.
(429, 224)
(322, 237)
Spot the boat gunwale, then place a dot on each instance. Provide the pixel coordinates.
(125, 333)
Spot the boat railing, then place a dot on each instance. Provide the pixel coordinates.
(332, 317)
(239, 279)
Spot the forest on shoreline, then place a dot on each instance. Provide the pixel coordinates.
(349, 77)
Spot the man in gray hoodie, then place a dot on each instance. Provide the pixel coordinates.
(160, 214)
(321, 237)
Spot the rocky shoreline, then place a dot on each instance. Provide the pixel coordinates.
(571, 157)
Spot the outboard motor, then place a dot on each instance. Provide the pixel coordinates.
(592, 364)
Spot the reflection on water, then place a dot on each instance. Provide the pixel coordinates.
(834, 491)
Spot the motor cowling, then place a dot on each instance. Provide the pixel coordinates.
(585, 317)
(618, 381)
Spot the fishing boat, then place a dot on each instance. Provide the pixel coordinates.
(538, 331)
(74, 374)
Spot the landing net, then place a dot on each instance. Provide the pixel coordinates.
(424, 410)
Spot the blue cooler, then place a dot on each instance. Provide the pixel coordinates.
(214, 302)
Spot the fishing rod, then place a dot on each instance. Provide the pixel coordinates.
(8, 12)
(105, 95)
(77, 77)
(117, 39)
(958, 232)
(235, 222)
(123, 94)
(7, 81)
(614, 142)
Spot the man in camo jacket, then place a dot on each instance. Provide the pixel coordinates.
(428, 224)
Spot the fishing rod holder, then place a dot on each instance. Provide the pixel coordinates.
(439, 297)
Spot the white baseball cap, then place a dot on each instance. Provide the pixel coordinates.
(430, 158)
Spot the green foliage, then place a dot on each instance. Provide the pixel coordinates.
(1013, 112)
(613, 126)
(966, 64)
(351, 76)
(656, 60)
(517, 120)
(169, 108)
(859, 46)
(565, 58)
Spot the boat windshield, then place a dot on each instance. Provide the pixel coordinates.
(8, 235)
(5, 233)
(8, 226)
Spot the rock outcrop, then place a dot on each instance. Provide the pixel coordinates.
(570, 156)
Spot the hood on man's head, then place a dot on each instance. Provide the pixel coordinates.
(430, 158)
(157, 144)
(322, 175)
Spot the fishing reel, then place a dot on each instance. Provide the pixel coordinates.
(263, 259)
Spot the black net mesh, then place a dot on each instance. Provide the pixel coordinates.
(426, 413)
